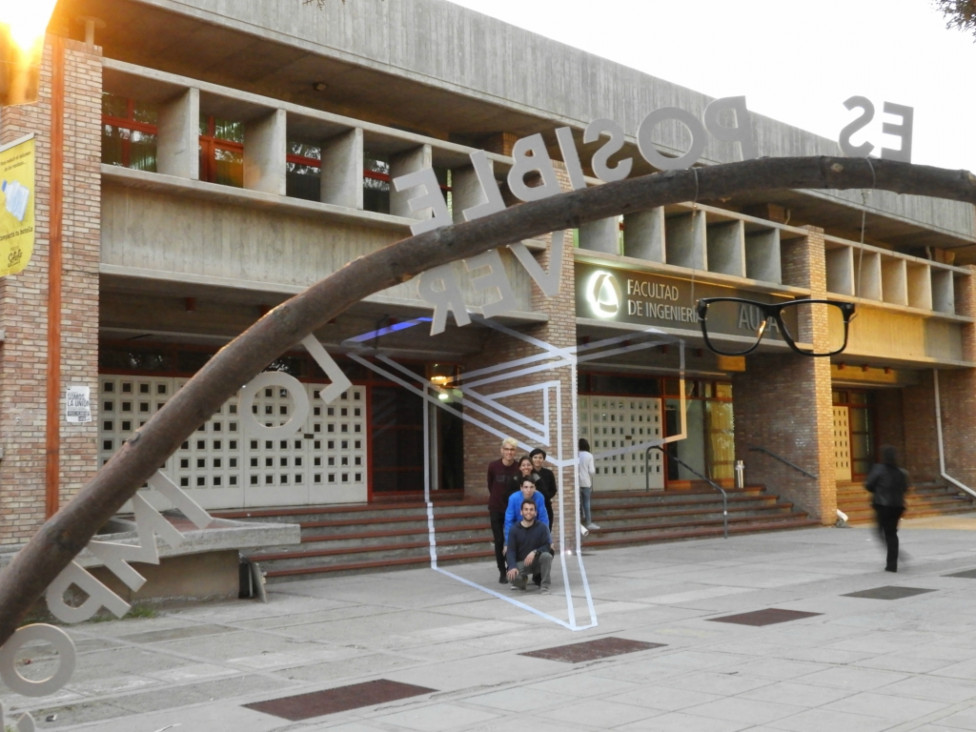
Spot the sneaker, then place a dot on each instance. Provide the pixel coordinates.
(502, 578)
(584, 531)
(544, 590)
(520, 582)
(593, 527)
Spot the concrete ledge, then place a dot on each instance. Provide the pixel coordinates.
(204, 567)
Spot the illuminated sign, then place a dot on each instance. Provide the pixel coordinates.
(621, 296)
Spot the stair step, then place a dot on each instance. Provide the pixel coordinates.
(923, 500)
(360, 538)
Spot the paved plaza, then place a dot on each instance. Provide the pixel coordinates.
(792, 631)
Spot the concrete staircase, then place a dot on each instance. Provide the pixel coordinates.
(924, 499)
(360, 538)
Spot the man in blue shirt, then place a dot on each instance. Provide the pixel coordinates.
(527, 492)
(529, 550)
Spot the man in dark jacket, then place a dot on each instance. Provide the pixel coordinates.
(501, 477)
(529, 549)
(888, 484)
(546, 483)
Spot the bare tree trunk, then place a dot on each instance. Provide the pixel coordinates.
(65, 534)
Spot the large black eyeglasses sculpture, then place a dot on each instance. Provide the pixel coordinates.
(740, 324)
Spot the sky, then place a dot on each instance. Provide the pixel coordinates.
(796, 62)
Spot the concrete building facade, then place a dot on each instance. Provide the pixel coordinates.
(212, 159)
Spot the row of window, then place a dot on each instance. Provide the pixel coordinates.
(129, 140)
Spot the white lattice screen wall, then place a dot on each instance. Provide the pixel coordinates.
(614, 423)
(323, 462)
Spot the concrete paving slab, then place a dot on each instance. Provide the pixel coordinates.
(860, 663)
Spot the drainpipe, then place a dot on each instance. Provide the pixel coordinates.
(938, 429)
(53, 425)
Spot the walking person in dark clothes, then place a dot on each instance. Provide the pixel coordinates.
(888, 484)
(501, 484)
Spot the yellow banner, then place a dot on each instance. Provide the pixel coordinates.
(17, 212)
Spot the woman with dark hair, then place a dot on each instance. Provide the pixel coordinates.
(585, 470)
(888, 484)
(526, 471)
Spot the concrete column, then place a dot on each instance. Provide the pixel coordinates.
(644, 235)
(342, 170)
(601, 236)
(466, 191)
(265, 148)
(410, 161)
(178, 136)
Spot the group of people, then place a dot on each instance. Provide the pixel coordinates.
(520, 493)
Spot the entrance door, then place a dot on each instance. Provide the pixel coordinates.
(613, 424)
(397, 441)
(691, 450)
(842, 443)
(854, 437)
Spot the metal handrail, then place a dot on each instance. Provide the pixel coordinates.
(713, 484)
(783, 460)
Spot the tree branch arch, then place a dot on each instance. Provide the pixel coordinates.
(65, 534)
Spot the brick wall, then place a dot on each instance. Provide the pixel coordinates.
(783, 403)
(957, 392)
(890, 427)
(482, 446)
(24, 299)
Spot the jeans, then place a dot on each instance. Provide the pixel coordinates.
(540, 568)
(585, 494)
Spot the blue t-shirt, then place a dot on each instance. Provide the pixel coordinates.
(514, 511)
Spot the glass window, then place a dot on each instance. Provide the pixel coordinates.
(376, 183)
(222, 151)
(303, 171)
(128, 132)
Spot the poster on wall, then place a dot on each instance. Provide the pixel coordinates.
(17, 212)
(77, 404)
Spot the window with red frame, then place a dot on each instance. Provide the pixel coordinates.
(303, 171)
(221, 151)
(128, 133)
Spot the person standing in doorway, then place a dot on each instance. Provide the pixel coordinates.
(585, 470)
(547, 480)
(888, 483)
(501, 484)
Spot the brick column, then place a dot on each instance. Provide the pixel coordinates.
(957, 391)
(559, 331)
(783, 403)
(24, 301)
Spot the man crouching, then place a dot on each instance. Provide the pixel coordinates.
(529, 549)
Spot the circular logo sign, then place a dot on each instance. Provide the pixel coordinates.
(604, 295)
